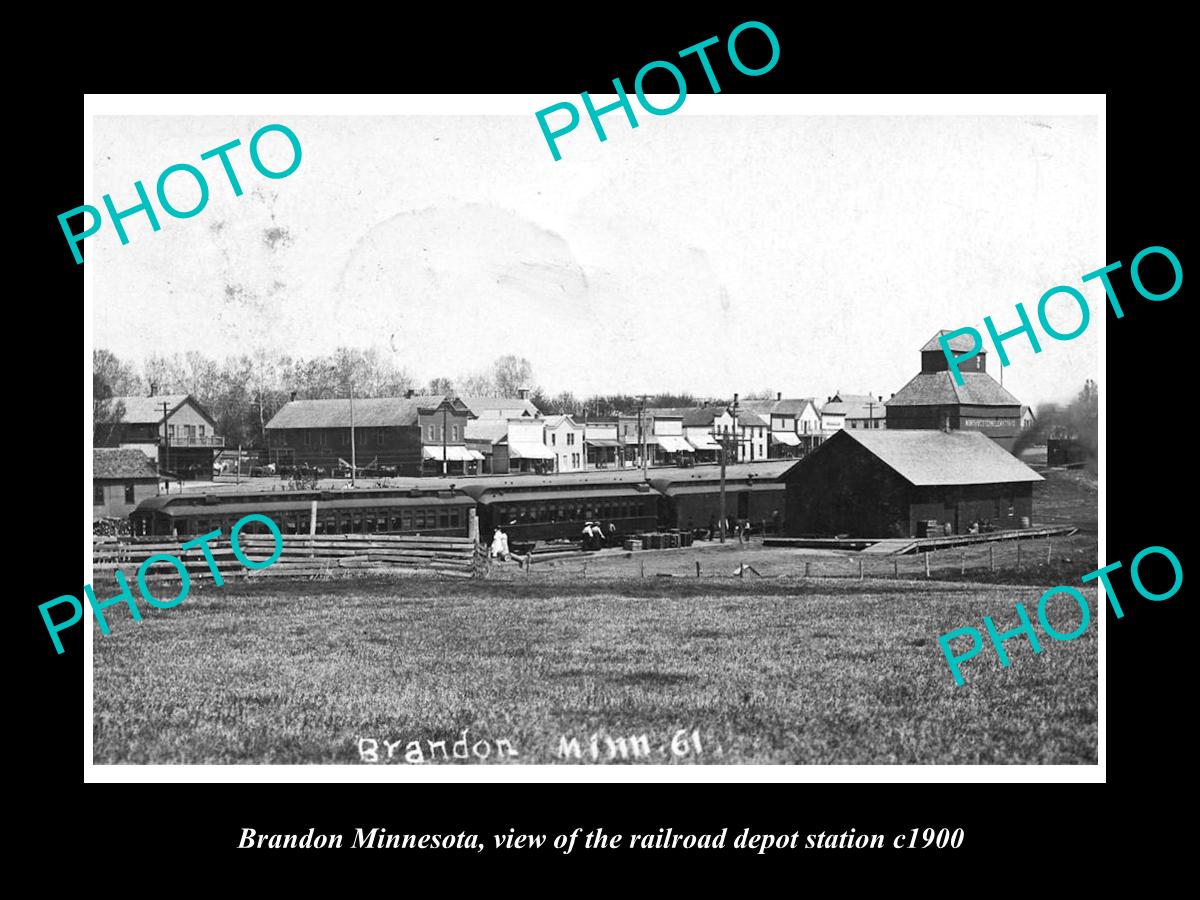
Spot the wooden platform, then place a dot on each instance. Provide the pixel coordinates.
(903, 546)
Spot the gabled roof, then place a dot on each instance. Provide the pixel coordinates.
(488, 430)
(149, 410)
(960, 344)
(555, 421)
(479, 405)
(376, 412)
(937, 388)
(124, 464)
(937, 457)
(793, 406)
(854, 406)
(702, 416)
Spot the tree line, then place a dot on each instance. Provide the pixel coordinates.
(243, 392)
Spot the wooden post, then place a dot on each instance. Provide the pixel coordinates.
(991, 556)
(312, 528)
(741, 570)
(806, 570)
(697, 568)
(472, 525)
(642, 567)
(928, 554)
(1047, 549)
(1018, 554)
(963, 567)
(895, 567)
(860, 570)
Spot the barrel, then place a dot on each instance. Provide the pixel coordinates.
(1024, 521)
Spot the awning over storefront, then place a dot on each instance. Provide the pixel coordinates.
(786, 437)
(475, 454)
(602, 442)
(529, 450)
(673, 444)
(704, 443)
(453, 453)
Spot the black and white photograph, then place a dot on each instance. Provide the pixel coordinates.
(420, 439)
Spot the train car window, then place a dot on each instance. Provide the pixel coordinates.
(395, 522)
(454, 519)
(357, 526)
(443, 518)
(542, 515)
(418, 519)
(406, 520)
(181, 526)
(370, 522)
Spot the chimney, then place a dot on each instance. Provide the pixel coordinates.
(779, 395)
(408, 394)
(153, 388)
(523, 393)
(293, 396)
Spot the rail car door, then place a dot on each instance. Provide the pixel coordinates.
(743, 505)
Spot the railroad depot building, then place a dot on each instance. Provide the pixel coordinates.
(907, 483)
(414, 434)
(932, 399)
(121, 479)
(172, 430)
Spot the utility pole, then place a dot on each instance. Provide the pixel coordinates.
(445, 412)
(724, 436)
(724, 454)
(641, 435)
(353, 457)
(871, 414)
(166, 441)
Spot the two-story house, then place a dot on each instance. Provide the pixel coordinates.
(564, 438)
(173, 430)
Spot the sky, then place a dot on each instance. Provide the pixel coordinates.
(701, 254)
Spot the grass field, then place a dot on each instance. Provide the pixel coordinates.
(822, 671)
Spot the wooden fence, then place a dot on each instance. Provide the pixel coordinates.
(982, 562)
(302, 556)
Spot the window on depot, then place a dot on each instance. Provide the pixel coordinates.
(97, 492)
(129, 492)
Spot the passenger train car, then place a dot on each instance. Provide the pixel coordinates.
(375, 511)
(550, 507)
(530, 508)
(691, 498)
